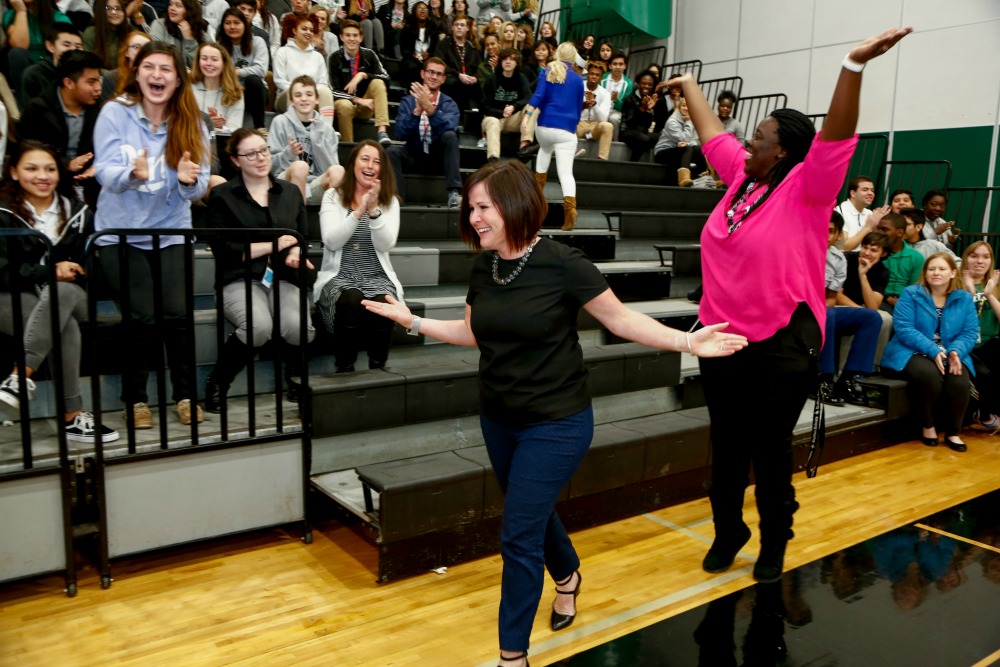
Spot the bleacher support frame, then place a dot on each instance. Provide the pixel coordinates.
(556, 18)
(752, 109)
(869, 157)
(888, 181)
(682, 67)
(972, 210)
(712, 87)
(657, 56)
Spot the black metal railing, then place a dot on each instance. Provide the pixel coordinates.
(640, 59)
(752, 109)
(682, 67)
(560, 18)
(622, 41)
(27, 465)
(868, 160)
(576, 31)
(918, 176)
(975, 211)
(817, 120)
(212, 439)
(712, 87)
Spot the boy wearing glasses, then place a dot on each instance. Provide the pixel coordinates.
(304, 148)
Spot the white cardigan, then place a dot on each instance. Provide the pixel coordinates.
(336, 226)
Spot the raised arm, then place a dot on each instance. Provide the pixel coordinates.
(842, 117)
(706, 122)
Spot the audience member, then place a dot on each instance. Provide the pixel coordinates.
(418, 41)
(31, 198)
(620, 87)
(935, 329)
(110, 28)
(111, 79)
(854, 209)
(427, 120)
(362, 12)
(491, 58)
(900, 199)
(43, 75)
(504, 96)
(250, 59)
(393, 16)
(594, 125)
(508, 35)
(525, 41)
(557, 101)
(915, 222)
(726, 102)
(28, 24)
(488, 10)
(360, 84)
(298, 58)
(584, 49)
(679, 147)
(540, 58)
(462, 62)
(604, 54)
(254, 199)
(303, 148)
(980, 279)
(547, 33)
(863, 324)
(152, 157)
(644, 114)
(261, 18)
(673, 94)
(216, 87)
(903, 262)
(183, 27)
(324, 41)
(867, 279)
(523, 12)
(934, 204)
(458, 8)
(359, 223)
(438, 20)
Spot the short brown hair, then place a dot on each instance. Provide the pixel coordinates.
(510, 53)
(436, 61)
(518, 199)
(955, 283)
(349, 23)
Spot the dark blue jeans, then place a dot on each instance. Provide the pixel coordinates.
(533, 462)
(862, 323)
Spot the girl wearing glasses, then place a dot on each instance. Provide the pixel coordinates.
(109, 30)
(111, 79)
(254, 199)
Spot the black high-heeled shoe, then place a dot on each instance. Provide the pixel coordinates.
(524, 654)
(560, 621)
(956, 446)
(930, 442)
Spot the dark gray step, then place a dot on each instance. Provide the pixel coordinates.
(612, 197)
(657, 225)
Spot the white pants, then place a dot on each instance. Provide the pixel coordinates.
(563, 144)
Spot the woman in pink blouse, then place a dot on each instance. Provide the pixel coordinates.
(774, 215)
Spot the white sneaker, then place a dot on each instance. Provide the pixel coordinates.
(9, 391)
(81, 429)
(481, 143)
(582, 151)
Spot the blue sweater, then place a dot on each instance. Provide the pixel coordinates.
(561, 103)
(915, 320)
(444, 119)
(160, 202)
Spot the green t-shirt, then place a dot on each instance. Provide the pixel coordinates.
(36, 44)
(989, 325)
(904, 267)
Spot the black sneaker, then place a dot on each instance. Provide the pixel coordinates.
(10, 391)
(81, 429)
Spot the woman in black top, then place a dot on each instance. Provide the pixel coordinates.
(256, 200)
(521, 311)
(417, 42)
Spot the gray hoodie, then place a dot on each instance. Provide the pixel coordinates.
(319, 143)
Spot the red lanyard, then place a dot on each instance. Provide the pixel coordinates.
(355, 64)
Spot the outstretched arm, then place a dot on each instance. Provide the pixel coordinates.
(842, 118)
(705, 121)
(456, 332)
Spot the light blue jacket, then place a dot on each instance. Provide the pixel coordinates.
(915, 320)
(161, 201)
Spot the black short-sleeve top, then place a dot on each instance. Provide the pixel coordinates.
(531, 364)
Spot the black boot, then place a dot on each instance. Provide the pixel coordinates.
(291, 355)
(775, 531)
(847, 389)
(345, 347)
(232, 359)
(731, 533)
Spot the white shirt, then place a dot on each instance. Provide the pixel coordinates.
(601, 110)
(47, 222)
(854, 220)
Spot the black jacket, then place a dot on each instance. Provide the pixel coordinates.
(232, 206)
(29, 252)
(408, 40)
(499, 91)
(340, 71)
(42, 119)
(633, 118)
(37, 79)
(448, 52)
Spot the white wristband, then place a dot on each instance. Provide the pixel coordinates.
(414, 329)
(852, 65)
(687, 337)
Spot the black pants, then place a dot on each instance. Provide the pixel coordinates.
(639, 142)
(255, 99)
(754, 399)
(144, 337)
(466, 95)
(689, 157)
(357, 328)
(444, 154)
(986, 360)
(937, 398)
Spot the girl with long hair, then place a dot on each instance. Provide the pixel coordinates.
(111, 80)
(32, 198)
(183, 27)
(250, 59)
(359, 224)
(324, 41)
(152, 159)
(557, 103)
(508, 36)
(393, 16)
(299, 57)
(981, 279)
(417, 43)
(27, 23)
(216, 88)
(541, 56)
(547, 33)
(108, 31)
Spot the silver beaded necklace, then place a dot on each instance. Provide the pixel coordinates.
(517, 269)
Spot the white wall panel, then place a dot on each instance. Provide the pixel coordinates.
(774, 26)
(786, 73)
(949, 78)
(850, 21)
(933, 14)
(718, 70)
(707, 31)
(877, 88)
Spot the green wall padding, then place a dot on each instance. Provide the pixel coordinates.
(967, 148)
(648, 19)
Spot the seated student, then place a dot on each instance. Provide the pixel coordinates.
(915, 222)
(250, 58)
(936, 328)
(110, 79)
(541, 56)
(525, 41)
(110, 28)
(934, 204)
(32, 199)
(392, 15)
(644, 114)
(865, 284)
(726, 105)
(298, 58)
(360, 85)
(65, 117)
(427, 121)
(324, 40)
(673, 93)
(439, 19)
(980, 279)
(679, 147)
(620, 87)
(604, 53)
(255, 199)
(488, 10)
(523, 12)
(462, 62)
(216, 88)
(303, 148)
(863, 324)
(362, 12)
(504, 96)
(507, 35)
(547, 33)
(28, 24)
(418, 41)
(903, 262)
(594, 125)
(264, 23)
(183, 27)
(900, 199)
(42, 76)
(854, 209)
(491, 53)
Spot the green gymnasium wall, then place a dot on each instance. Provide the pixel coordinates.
(647, 19)
(966, 148)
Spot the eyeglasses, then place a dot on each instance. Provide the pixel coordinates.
(136, 46)
(114, 10)
(253, 156)
(433, 72)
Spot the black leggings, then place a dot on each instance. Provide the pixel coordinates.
(355, 328)
(986, 361)
(689, 157)
(935, 395)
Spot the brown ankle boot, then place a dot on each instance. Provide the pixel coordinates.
(569, 213)
(684, 178)
(540, 180)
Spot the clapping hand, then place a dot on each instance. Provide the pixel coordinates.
(187, 171)
(711, 342)
(79, 162)
(370, 198)
(295, 146)
(218, 120)
(422, 94)
(876, 216)
(875, 46)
